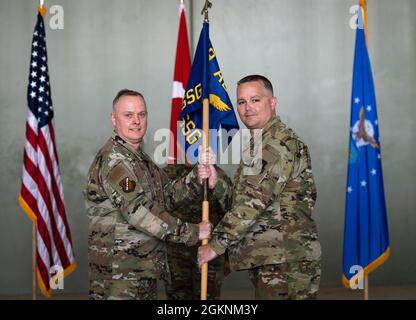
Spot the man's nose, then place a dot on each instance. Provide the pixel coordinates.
(248, 106)
(136, 118)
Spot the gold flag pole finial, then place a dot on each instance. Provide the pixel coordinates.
(41, 8)
(363, 5)
(204, 11)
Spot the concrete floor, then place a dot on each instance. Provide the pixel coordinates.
(375, 293)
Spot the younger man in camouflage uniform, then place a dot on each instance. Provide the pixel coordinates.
(185, 283)
(127, 198)
(270, 231)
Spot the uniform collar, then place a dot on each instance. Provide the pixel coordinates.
(273, 122)
(125, 144)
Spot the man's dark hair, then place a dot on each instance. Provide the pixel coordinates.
(256, 77)
(126, 92)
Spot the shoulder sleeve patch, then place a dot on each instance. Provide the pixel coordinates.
(127, 185)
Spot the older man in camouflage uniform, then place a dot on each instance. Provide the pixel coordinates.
(270, 231)
(185, 281)
(127, 198)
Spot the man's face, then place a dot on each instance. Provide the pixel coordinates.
(255, 104)
(129, 119)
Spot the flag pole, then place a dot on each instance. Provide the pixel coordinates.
(205, 203)
(366, 288)
(41, 10)
(363, 5)
(33, 260)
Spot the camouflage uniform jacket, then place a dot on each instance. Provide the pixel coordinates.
(219, 197)
(270, 221)
(127, 198)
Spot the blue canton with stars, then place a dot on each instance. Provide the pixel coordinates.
(38, 94)
(366, 240)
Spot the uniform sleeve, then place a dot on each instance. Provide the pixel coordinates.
(223, 191)
(181, 190)
(252, 195)
(127, 194)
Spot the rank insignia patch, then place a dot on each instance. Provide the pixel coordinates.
(127, 185)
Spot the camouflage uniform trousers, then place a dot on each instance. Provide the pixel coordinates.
(185, 282)
(143, 289)
(297, 280)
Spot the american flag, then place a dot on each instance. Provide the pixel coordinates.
(41, 195)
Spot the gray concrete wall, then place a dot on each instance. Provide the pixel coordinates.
(304, 46)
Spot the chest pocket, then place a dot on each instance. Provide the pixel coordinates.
(144, 181)
(263, 168)
(157, 183)
(150, 180)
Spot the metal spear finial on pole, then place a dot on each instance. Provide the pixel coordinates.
(204, 11)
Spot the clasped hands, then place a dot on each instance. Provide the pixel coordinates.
(206, 170)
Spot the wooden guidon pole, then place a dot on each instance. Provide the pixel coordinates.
(205, 203)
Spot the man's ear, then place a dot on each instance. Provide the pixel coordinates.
(274, 103)
(113, 118)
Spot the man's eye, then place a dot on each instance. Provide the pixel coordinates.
(255, 100)
(240, 103)
(128, 116)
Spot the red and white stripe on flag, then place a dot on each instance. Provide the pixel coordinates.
(41, 195)
(180, 80)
